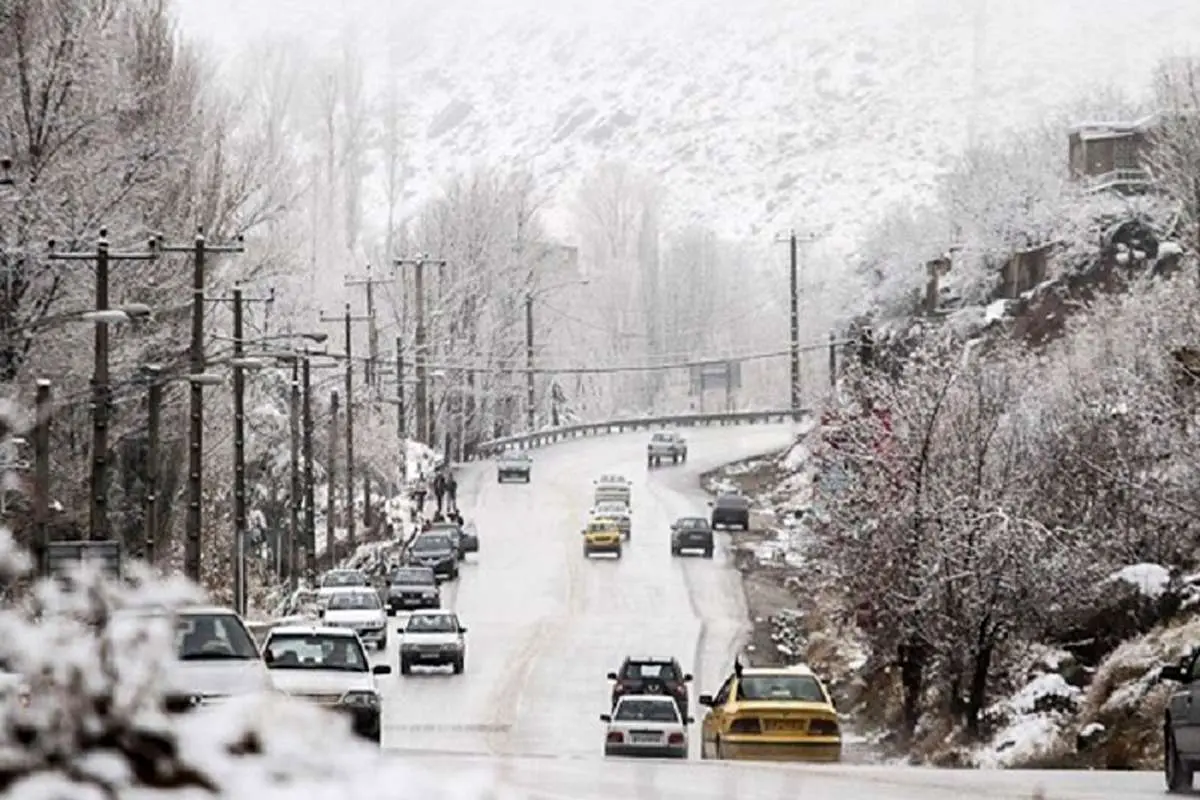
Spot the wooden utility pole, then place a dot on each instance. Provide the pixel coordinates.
(372, 370)
(421, 356)
(347, 320)
(331, 482)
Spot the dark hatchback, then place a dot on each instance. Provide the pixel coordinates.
(652, 676)
(412, 587)
(731, 510)
(438, 551)
(691, 533)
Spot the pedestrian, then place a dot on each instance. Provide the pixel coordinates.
(439, 490)
(452, 492)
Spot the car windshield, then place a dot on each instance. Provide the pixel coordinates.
(431, 544)
(315, 651)
(354, 601)
(651, 669)
(611, 508)
(801, 688)
(445, 528)
(602, 526)
(213, 637)
(692, 522)
(333, 579)
(432, 623)
(664, 437)
(636, 710)
(412, 576)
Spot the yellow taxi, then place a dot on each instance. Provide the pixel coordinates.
(602, 536)
(771, 714)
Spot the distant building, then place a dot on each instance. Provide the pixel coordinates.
(1110, 156)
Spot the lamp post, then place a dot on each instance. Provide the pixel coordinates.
(531, 294)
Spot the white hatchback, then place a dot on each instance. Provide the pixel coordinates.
(646, 725)
(359, 609)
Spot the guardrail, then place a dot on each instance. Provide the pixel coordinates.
(528, 441)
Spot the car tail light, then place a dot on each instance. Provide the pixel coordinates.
(616, 737)
(745, 725)
(675, 738)
(823, 727)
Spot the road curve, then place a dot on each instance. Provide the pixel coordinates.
(545, 626)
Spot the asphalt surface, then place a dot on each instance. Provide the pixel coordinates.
(545, 626)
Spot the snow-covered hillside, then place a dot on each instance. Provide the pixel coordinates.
(757, 114)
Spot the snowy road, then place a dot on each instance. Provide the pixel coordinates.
(545, 626)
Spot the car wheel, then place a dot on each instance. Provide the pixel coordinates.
(674, 551)
(405, 667)
(618, 552)
(1177, 772)
(708, 551)
(459, 665)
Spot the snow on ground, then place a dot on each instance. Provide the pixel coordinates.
(1149, 579)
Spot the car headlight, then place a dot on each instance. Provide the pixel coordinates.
(368, 699)
(452, 646)
(429, 593)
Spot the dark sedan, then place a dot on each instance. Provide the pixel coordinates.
(731, 511)
(691, 533)
(412, 587)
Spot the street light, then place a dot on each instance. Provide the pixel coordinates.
(530, 295)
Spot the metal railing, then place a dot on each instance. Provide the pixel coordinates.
(1119, 178)
(547, 436)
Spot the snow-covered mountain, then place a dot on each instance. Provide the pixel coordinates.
(757, 114)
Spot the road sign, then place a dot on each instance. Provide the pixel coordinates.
(61, 557)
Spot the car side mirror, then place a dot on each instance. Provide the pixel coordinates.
(710, 503)
(1172, 673)
(690, 720)
(705, 700)
(688, 677)
(267, 655)
(400, 630)
(612, 676)
(381, 669)
(606, 717)
(462, 629)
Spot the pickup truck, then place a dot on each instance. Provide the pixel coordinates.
(664, 445)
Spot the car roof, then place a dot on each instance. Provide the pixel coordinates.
(652, 698)
(348, 589)
(651, 660)
(311, 630)
(794, 669)
(432, 612)
(197, 610)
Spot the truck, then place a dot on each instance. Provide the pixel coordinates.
(664, 445)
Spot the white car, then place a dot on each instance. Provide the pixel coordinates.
(361, 611)
(336, 579)
(613, 487)
(432, 638)
(615, 510)
(216, 656)
(329, 667)
(646, 725)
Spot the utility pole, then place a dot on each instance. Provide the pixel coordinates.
(331, 475)
(530, 402)
(153, 423)
(794, 240)
(192, 540)
(372, 370)
(306, 447)
(102, 257)
(421, 356)
(401, 416)
(239, 458)
(41, 474)
(290, 563)
(351, 518)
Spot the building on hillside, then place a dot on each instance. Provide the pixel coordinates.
(1111, 156)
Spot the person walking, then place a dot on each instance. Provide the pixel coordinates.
(451, 493)
(439, 490)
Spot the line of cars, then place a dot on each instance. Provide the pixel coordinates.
(758, 713)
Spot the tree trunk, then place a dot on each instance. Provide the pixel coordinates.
(977, 696)
(912, 657)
